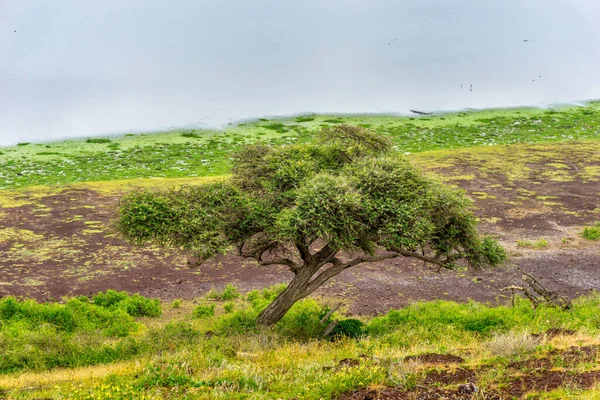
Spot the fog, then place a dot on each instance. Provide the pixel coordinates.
(77, 68)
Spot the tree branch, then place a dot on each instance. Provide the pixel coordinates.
(294, 267)
(432, 260)
(304, 251)
(258, 253)
(338, 266)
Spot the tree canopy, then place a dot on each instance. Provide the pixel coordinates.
(345, 199)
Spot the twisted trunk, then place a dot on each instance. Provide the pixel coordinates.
(296, 290)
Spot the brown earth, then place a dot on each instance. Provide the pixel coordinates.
(60, 241)
(560, 368)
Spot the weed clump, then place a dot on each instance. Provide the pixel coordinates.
(204, 311)
(591, 232)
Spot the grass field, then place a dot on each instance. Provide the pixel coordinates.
(207, 153)
(189, 353)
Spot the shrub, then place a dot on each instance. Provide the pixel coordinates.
(140, 306)
(176, 304)
(190, 135)
(204, 311)
(213, 294)
(109, 298)
(228, 307)
(303, 320)
(135, 305)
(351, 327)
(230, 292)
(97, 140)
(241, 321)
(591, 232)
(304, 119)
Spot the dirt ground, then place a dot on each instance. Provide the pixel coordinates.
(60, 241)
(440, 379)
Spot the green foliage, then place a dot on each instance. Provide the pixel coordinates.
(351, 327)
(204, 311)
(302, 322)
(190, 135)
(591, 232)
(228, 307)
(176, 304)
(230, 292)
(135, 305)
(304, 119)
(42, 336)
(97, 140)
(348, 189)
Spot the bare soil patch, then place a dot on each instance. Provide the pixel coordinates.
(521, 378)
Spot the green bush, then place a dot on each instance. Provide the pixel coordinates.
(228, 307)
(109, 298)
(176, 304)
(140, 306)
(241, 321)
(230, 292)
(591, 232)
(204, 311)
(302, 321)
(351, 327)
(97, 140)
(135, 305)
(41, 336)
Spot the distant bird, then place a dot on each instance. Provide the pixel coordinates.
(526, 40)
(15, 31)
(461, 85)
(471, 88)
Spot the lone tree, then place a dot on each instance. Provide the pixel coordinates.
(346, 199)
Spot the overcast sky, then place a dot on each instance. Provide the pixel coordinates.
(80, 68)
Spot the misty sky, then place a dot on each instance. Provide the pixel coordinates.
(82, 68)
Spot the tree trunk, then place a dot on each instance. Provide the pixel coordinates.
(295, 291)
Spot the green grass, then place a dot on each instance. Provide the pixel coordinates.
(207, 153)
(227, 356)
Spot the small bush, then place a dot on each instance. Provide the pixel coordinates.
(302, 321)
(241, 321)
(493, 251)
(23, 144)
(109, 298)
(351, 327)
(230, 292)
(140, 306)
(135, 305)
(591, 232)
(213, 294)
(228, 307)
(190, 135)
(204, 311)
(540, 244)
(98, 140)
(176, 304)
(305, 119)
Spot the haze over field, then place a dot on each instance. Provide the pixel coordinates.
(82, 68)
